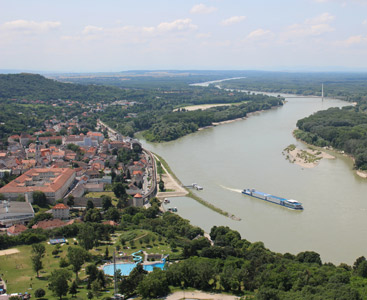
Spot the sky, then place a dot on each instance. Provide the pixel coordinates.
(120, 35)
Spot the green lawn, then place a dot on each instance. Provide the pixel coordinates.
(17, 268)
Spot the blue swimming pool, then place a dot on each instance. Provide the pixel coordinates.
(128, 267)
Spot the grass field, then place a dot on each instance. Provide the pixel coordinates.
(17, 268)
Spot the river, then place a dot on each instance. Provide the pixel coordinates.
(248, 154)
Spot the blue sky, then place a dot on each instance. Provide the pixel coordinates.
(118, 35)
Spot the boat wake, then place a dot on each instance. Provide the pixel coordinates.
(230, 189)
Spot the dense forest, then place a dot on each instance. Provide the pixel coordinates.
(36, 87)
(166, 80)
(343, 129)
(345, 86)
(155, 114)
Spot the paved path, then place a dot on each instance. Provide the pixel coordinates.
(170, 184)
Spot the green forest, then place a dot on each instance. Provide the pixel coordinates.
(37, 87)
(343, 129)
(345, 86)
(155, 115)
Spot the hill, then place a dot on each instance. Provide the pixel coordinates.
(36, 87)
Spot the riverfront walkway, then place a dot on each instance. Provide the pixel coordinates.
(175, 189)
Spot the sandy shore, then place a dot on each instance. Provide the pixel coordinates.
(362, 174)
(202, 106)
(305, 158)
(199, 295)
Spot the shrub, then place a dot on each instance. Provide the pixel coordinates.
(39, 293)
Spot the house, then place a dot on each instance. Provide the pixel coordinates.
(61, 211)
(49, 224)
(16, 229)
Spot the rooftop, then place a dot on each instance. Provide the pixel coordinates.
(43, 179)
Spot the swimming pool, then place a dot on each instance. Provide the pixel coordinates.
(128, 267)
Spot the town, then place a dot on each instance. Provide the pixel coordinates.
(70, 170)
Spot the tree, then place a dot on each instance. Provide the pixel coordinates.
(38, 251)
(96, 287)
(106, 254)
(92, 272)
(73, 290)
(161, 185)
(154, 285)
(87, 236)
(58, 282)
(90, 295)
(90, 204)
(119, 189)
(39, 198)
(63, 263)
(106, 202)
(93, 215)
(70, 201)
(113, 214)
(77, 257)
(39, 293)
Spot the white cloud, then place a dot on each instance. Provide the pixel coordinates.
(202, 9)
(364, 22)
(90, 29)
(233, 20)
(323, 18)
(259, 33)
(24, 26)
(313, 27)
(177, 25)
(353, 40)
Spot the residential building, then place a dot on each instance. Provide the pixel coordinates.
(61, 211)
(54, 182)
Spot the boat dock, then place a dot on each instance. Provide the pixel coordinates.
(194, 186)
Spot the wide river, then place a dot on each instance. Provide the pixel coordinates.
(248, 154)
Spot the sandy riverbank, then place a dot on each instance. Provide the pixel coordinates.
(308, 158)
(202, 106)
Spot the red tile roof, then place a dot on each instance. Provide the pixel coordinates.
(16, 229)
(49, 224)
(138, 196)
(60, 206)
(57, 181)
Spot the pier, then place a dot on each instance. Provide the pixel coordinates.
(194, 186)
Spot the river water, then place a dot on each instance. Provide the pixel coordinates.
(248, 154)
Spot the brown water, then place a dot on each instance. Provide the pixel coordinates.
(248, 154)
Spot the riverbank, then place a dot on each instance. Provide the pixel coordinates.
(175, 189)
(308, 158)
(360, 173)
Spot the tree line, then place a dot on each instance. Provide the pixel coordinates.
(343, 129)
